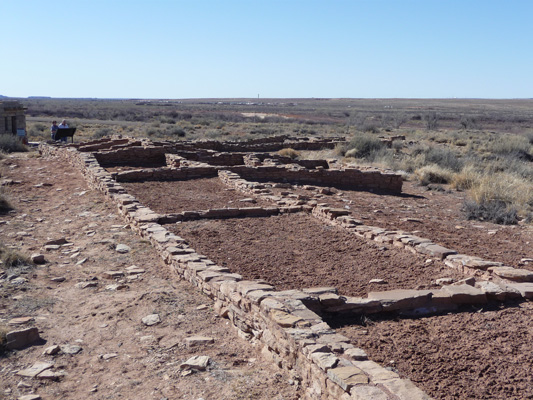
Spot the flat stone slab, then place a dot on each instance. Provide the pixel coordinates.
(435, 250)
(525, 289)
(401, 299)
(199, 340)
(35, 369)
(513, 274)
(464, 294)
(196, 362)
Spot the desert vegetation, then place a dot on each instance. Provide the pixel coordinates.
(484, 147)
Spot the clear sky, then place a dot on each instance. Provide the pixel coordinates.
(268, 48)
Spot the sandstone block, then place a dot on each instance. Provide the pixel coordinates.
(465, 294)
(19, 339)
(347, 377)
(512, 274)
(401, 299)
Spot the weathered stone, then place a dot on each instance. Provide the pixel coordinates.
(151, 319)
(122, 248)
(30, 397)
(284, 319)
(465, 294)
(20, 320)
(56, 242)
(70, 348)
(324, 360)
(19, 339)
(50, 351)
(435, 250)
(196, 362)
(38, 258)
(404, 389)
(525, 289)
(401, 299)
(347, 377)
(113, 274)
(84, 285)
(356, 354)
(512, 274)
(199, 340)
(50, 375)
(35, 369)
(367, 392)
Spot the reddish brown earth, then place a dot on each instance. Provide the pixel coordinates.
(476, 354)
(191, 195)
(120, 356)
(437, 216)
(295, 251)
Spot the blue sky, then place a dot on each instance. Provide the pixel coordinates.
(275, 48)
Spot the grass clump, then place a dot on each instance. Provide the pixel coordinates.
(288, 152)
(10, 144)
(433, 174)
(11, 258)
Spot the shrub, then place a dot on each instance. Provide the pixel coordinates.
(442, 157)
(433, 174)
(291, 153)
(494, 211)
(466, 179)
(5, 206)
(363, 146)
(432, 120)
(10, 143)
(102, 132)
(177, 132)
(11, 258)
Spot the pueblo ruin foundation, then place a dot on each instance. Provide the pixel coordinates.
(280, 247)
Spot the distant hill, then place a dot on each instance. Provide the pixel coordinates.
(39, 97)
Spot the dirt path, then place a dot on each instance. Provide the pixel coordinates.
(120, 356)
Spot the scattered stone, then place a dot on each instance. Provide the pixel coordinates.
(58, 279)
(50, 351)
(134, 270)
(378, 281)
(20, 320)
(113, 274)
(109, 356)
(196, 362)
(35, 369)
(19, 281)
(38, 258)
(122, 248)
(444, 281)
(199, 340)
(20, 339)
(70, 348)
(57, 242)
(83, 260)
(30, 397)
(116, 286)
(84, 285)
(50, 247)
(151, 319)
(202, 307)
(50, 375)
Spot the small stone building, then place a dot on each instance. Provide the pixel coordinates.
(12, 116)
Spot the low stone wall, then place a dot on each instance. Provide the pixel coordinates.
(339, 178)
(293, 335)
